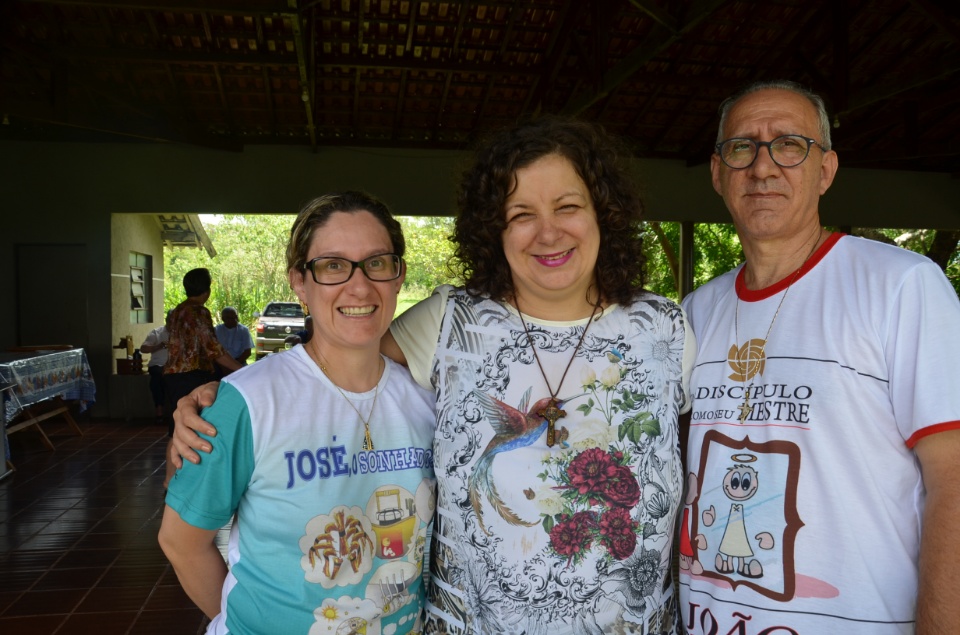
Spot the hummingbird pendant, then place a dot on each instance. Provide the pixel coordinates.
(551, 413)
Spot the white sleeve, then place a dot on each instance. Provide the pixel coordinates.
(417, 330)
(923, 353)
(151, 339)
(689, 359)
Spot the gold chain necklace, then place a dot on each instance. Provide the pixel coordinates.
(367, 439)
(751, 371)
(551, 412)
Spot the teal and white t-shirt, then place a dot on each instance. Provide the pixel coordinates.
(328, 538)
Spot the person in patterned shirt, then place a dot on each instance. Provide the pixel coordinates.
(193, 349)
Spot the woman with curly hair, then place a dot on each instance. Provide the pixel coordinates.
(488, 184)
(559, 382)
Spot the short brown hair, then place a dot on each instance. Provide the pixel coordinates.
(317, 212)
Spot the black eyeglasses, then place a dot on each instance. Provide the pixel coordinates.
(379, 268)
(787, 151)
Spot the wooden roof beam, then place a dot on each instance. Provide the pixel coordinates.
(658, 15)
(302, 66)
(948, 66)
(554, 56)
(250, 7)
(145, 128)
(660, 39)
(128, 55)
(939, 18)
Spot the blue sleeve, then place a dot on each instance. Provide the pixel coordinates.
(207, 495)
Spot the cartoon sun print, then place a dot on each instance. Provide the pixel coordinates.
(346, 616)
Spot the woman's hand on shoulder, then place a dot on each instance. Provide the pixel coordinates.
(187, 422)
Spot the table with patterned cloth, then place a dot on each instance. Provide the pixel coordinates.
(55, 377)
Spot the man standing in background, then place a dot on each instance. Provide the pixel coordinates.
(156, 346)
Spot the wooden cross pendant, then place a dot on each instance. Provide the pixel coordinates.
(551, 413)
(745, 409)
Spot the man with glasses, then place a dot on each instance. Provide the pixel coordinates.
(824, 445)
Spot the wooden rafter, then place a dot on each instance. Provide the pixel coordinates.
(659, 40)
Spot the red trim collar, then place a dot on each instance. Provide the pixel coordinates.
(748, 295)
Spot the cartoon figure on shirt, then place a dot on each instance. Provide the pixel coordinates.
(735, 552)
(690, 548)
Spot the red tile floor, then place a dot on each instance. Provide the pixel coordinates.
(78, 535)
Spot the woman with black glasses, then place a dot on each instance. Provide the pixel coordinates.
(323, 453)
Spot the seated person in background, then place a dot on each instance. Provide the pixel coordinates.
(156, 346)
(233, 336)
(302, 336)
(307, 331)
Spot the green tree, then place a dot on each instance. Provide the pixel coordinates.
(940, 245)
(716, 250)
(249, 269)
(428, 252)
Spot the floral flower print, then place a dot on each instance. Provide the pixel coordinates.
(573, 535)
(618, 532)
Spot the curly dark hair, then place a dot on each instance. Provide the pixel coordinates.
(598, 159)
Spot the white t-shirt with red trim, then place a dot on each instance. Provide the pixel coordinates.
(804, 512)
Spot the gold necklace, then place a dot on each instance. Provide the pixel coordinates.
(756, 350)
(551, 412)
(367, 439)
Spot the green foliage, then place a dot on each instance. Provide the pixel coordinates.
(248, 271)
(953, 271)
(636, 426)
(428, 252)
(920, 241)
(717, 250)
(250, 268)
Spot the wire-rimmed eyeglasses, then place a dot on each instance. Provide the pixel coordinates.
(378, 268)
(787, 151)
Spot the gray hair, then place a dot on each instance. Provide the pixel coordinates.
(823, 119)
